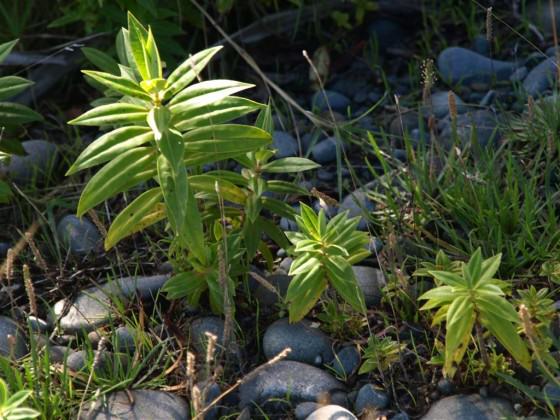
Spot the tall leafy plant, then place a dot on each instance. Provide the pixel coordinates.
(163, 129)
(12, 116)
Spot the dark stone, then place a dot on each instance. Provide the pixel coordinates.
(198, 329)
(440, 104)
(285, 378)
(35, 166)
(4, 246)
(483, 122)
(481, 45)
(541, 78)
(146, 404)
(266, 297)
(309, 345)
(445, 386)
(211, 391)
(359, 204)
(460, 65)
(304, 409)
(285, 144)
(469, 407)
(386, 33)
(325, 150)
(371, 281)
(551, 391)
(16, 348)
(370, 398)
(337, 101)
(123, 340)
(79, 235)
(57, 354)
(346, 362)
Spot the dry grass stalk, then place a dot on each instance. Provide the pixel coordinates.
(98, 223)
(428, 81)
(489, 25)
(210, 351)
(30, 290)
(9, 266)
(20, 246)
(35, 250)
(452, 104)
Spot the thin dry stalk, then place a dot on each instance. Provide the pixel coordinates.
(101, 347)
(191, 371)
(20, 246)
(97, 222)
(35, 250)
(30, 290)
(210, 352)
(489, 25)
(9, 266)
(452, 104)
(428, 81)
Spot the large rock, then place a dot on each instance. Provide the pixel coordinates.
(371, 281)
(35, 166)
(16, 348)
(331, 412)
(309, 345)
(460, 65)
(145, 404)
(93, 307)
(286, 378)
(79, 235)
(538, 12)
(541, 77)
(469, 407)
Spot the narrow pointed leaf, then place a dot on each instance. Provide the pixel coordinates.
(112, 114)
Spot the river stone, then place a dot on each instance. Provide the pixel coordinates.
(386, 33)
(92, 307)
(147, 404)
(337, 101)
(286, 378)
(331, 412)
(325, 150)
(460, 65)
(304, 409)
(57, 354)
(36, 165)
(346, 362)
(124, 340)
(371, 281)
(80, 359)
(280, 282)
(538, 12)
(309, 345)
(211, 390)
(469, 407)
(541, 77)
(198, 329)
(370, 398)
(79, 235)
(440, 104)
(285, 144)
(8, 327)
(483, 122)
(359, 204)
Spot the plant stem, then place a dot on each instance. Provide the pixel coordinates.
(482, 345)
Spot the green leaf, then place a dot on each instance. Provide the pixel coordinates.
(119, 84)
(137, 39)
(472, 270)
(290, 164)
(490, 267)
(190, 284)
(123, 172)
(272, 230)
(5, 193)
(111, 145)
(6, 48)
(460, 321)
(158, 120)
(342, 278)
(498, 306)
(264, 120)
(448, 278)
(225, 139)
(101, 60)
(189, 70)
(437, 297)
(112, 114)
(11, 146)
(228, 191)
(144, 211)
(506, 334)
(12, 85)
(286, 187)
(304, 291)
(278, 207)
(17, 114)
(219, 112)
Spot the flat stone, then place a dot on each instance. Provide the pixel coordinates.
(309, 345)
(469, 407)
(79, 235)
(147, 404)
(460, 65)
(285, 378)
(93, 307)
(331, 412)
(371, 281)
(17, 348)
(35, 166)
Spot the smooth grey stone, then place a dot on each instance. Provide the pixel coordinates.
(4, 246)
(325, 150)
(440, 104)
(371, 281)
(37, 324)
(198, 329)
(35, 166)
(332, 412)
(541, 77)
(370, 398)
(211, 390)
(357, 203)
(8, 327)
(519, 75)
(286, 263)
(285, 144)
(445, 386)
(469, 407)
(483, 122)
(386, 33)
(330, 211)
(309, 345)
(57, 354)
(124, 340)
(337, 101)
(404, 123)
(325, 175)
(299, 381)
(551, 391)
(92, 308)
(147, 404)
(460, 65)
(538, 12)
(304, 409)
(401, 416)
(80, 359)
(349, 86)
(266, 297)
(346, 362)
(288, 225)
(488, 98)
(79, 235)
